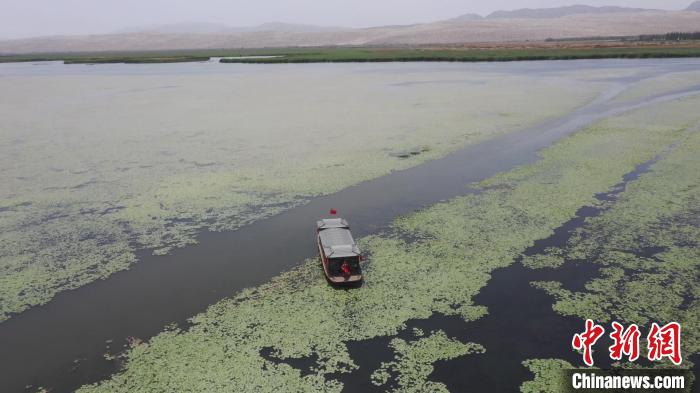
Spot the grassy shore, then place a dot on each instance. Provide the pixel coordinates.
(112, 57)
(500, 52)
(320, 55)
(136, 60)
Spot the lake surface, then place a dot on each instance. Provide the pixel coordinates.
(105, 164)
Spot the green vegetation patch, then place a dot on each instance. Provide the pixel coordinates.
(135, 59)
(659, 85)
(648, 248)
(549, 376)
(551, 257)
(646, 244)
(95, 167)
(321, 55)
(454, 247)
(104, 57)
(414, 362)
(369, 54)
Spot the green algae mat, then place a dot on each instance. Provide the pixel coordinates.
(454, 247)
(647, 245)
(119, 163)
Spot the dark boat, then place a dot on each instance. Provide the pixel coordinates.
(340, 256)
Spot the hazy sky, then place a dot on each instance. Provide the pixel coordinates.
(23, 18)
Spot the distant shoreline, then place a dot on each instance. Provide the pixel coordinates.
(470, 55)
(530, 51)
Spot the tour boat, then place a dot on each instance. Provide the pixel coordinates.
(340, 256)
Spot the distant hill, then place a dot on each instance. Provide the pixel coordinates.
(518, 26)
(294, 27)
(215, 28)
(694, 7)
(176, 28)
(466, 17)
(558, 12)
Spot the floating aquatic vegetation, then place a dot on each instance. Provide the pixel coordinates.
(117, 163)
(454, 248)
(410, 152)
(551, 257)
(548, 376)
(414, 362)
(648, 247)
(665, 83)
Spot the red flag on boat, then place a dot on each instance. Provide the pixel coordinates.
(333, 212)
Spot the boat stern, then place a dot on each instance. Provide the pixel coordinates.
(355, 278)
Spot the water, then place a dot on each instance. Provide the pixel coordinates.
(520, 325)
(61, 344)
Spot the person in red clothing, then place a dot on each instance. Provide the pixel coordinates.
(345, 268)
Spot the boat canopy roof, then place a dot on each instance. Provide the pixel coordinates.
(337, 240)
(328, 223)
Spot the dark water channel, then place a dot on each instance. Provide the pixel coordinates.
(60, 345)
(520, 325)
